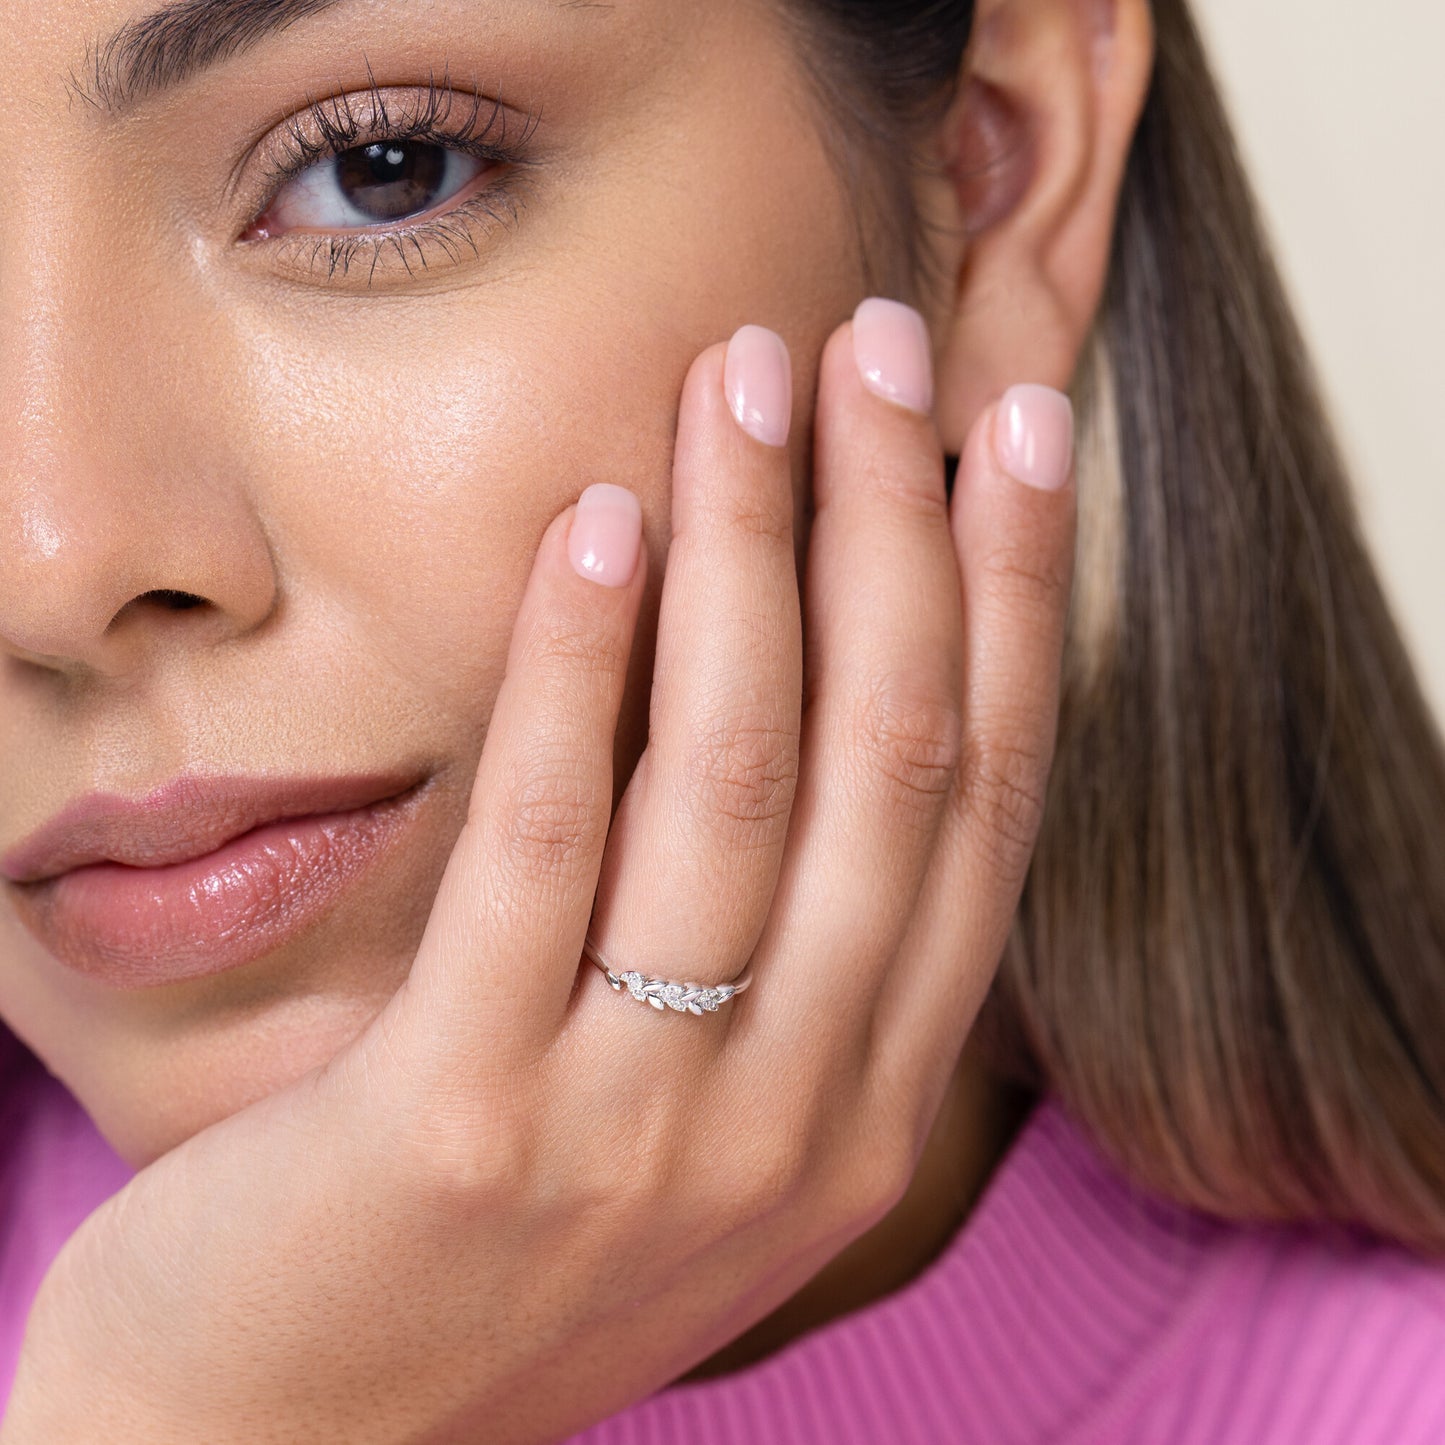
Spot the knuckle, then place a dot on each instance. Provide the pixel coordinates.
(736, 1172)
(577, 644)
(462, 1159)
(757, 1179)
(904, 471)
(1025, 579)
(1002, 793)
(914, 489)
(914, 738)
(741, 775)
(773, 1181)
(474, 1143)
(627, 1172)
(551, 815)
(754, 517)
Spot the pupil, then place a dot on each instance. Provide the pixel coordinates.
(389, 180)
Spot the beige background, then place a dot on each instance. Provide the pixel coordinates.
(1340, 112)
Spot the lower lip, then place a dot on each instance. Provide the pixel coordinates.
(138, 927)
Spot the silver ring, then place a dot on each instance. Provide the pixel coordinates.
(661, 993)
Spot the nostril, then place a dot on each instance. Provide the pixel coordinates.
(176, 601)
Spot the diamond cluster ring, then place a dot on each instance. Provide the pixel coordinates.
(662, 993)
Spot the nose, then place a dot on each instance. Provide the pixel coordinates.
(126, 528)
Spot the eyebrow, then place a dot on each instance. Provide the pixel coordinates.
(159, 51)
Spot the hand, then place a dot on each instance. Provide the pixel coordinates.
(519, 1200)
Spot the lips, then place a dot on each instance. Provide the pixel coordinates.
(186, 819)
(204, 874)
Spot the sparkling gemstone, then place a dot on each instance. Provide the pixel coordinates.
(709, 1002)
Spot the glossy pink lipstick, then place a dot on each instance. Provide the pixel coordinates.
(204, 874)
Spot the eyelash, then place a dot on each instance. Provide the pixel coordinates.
(340, 129)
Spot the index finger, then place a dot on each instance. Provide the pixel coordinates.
(499, 956)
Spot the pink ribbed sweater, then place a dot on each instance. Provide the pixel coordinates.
(1070, 1308)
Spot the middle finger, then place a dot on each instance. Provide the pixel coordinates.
(882, 730)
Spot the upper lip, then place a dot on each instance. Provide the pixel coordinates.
(187, 818)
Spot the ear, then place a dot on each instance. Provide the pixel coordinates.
(1023, 202)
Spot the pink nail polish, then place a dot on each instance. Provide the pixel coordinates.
(895, 359)
(606, 534)
(1034, 435)
(758, 380)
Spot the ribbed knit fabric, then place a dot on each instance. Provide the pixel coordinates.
(1070, 1309)
(54, 1169)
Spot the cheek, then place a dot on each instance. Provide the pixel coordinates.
(408, 461)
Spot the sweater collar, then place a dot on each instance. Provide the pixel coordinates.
(1061, 1277)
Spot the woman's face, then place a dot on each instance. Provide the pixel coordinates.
(349, 457)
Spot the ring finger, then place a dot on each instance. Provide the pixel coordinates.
(693, 855)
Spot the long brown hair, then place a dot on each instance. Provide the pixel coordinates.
(1229, 957)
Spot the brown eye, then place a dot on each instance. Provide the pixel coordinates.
(379, 183)
(390, 180)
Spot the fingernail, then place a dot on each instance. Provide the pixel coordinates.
(890, 341)
(758, 380)
(1034, 435)
(606, 534)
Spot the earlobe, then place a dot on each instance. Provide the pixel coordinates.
(1033, 151)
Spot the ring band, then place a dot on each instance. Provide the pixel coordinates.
(661, 993)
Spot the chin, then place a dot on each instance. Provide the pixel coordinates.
(146, 1103)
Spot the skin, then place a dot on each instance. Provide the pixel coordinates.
(364, 530)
